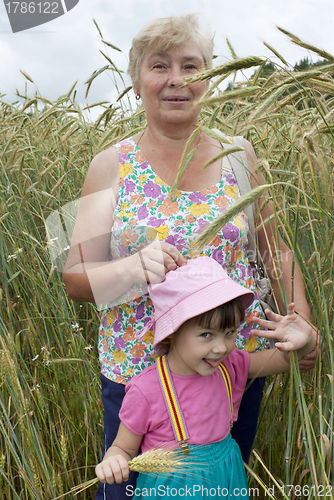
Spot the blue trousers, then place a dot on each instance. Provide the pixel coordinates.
(243, 431)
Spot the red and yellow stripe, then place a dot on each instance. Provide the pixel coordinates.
(227, 380)
(172, 403)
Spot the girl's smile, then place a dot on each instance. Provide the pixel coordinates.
(199, 350)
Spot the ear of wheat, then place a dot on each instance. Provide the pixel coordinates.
(212, 229)
(160, 461)
(154, 461)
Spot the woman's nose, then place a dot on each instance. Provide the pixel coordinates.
(175, 78)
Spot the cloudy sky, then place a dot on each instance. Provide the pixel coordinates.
(66, 49)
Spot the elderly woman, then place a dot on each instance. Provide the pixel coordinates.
(130, 232)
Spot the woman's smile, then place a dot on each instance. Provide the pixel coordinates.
(175, 99)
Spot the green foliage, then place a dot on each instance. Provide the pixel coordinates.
(306, 63)
(267, 70)
(303, 64)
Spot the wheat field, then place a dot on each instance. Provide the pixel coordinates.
(50, 405)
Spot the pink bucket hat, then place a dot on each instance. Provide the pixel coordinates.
(188, 291)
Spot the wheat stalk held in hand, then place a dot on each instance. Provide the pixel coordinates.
(154, 461)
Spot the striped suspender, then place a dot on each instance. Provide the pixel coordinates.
(227, 380)
(172, 403)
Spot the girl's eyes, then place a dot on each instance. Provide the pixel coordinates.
(206, 335)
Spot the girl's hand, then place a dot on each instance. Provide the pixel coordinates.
(113, 469)
(291, 331)
(152, 262)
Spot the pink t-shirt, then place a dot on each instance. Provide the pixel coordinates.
(203, 400)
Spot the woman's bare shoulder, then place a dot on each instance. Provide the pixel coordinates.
(251, 156)
(103, 172)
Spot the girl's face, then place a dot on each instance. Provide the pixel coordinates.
(161, 77)
(199, 350)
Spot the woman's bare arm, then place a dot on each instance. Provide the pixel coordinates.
(89, 276)
(278, 260)
(91, 236)
(276, 255)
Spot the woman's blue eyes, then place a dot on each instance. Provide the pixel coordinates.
(189, 67)
(205, 335)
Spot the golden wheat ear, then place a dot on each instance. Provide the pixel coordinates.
(159, 461)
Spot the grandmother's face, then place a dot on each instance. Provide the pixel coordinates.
(161, 78)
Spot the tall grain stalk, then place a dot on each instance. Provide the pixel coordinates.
(51, 412)
(289, 121)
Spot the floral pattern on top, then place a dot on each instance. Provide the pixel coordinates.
(145, 212)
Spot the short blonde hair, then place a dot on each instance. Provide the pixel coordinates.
(167, 33)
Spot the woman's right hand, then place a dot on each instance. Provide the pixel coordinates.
(89, 276)
(152, 262)
(113, 469)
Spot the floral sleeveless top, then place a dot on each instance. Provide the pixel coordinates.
(143, 213)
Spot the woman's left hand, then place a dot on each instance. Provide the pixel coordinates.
(308, 362)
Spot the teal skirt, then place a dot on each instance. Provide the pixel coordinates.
(215, 471)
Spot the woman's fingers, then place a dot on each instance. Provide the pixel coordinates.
(174, 254)
(270, 334)
(265, 323)
(308, 362)
(153, 265)
(168, 254)
(157, 259)
(285, 346)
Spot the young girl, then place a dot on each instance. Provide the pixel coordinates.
(191, 396)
